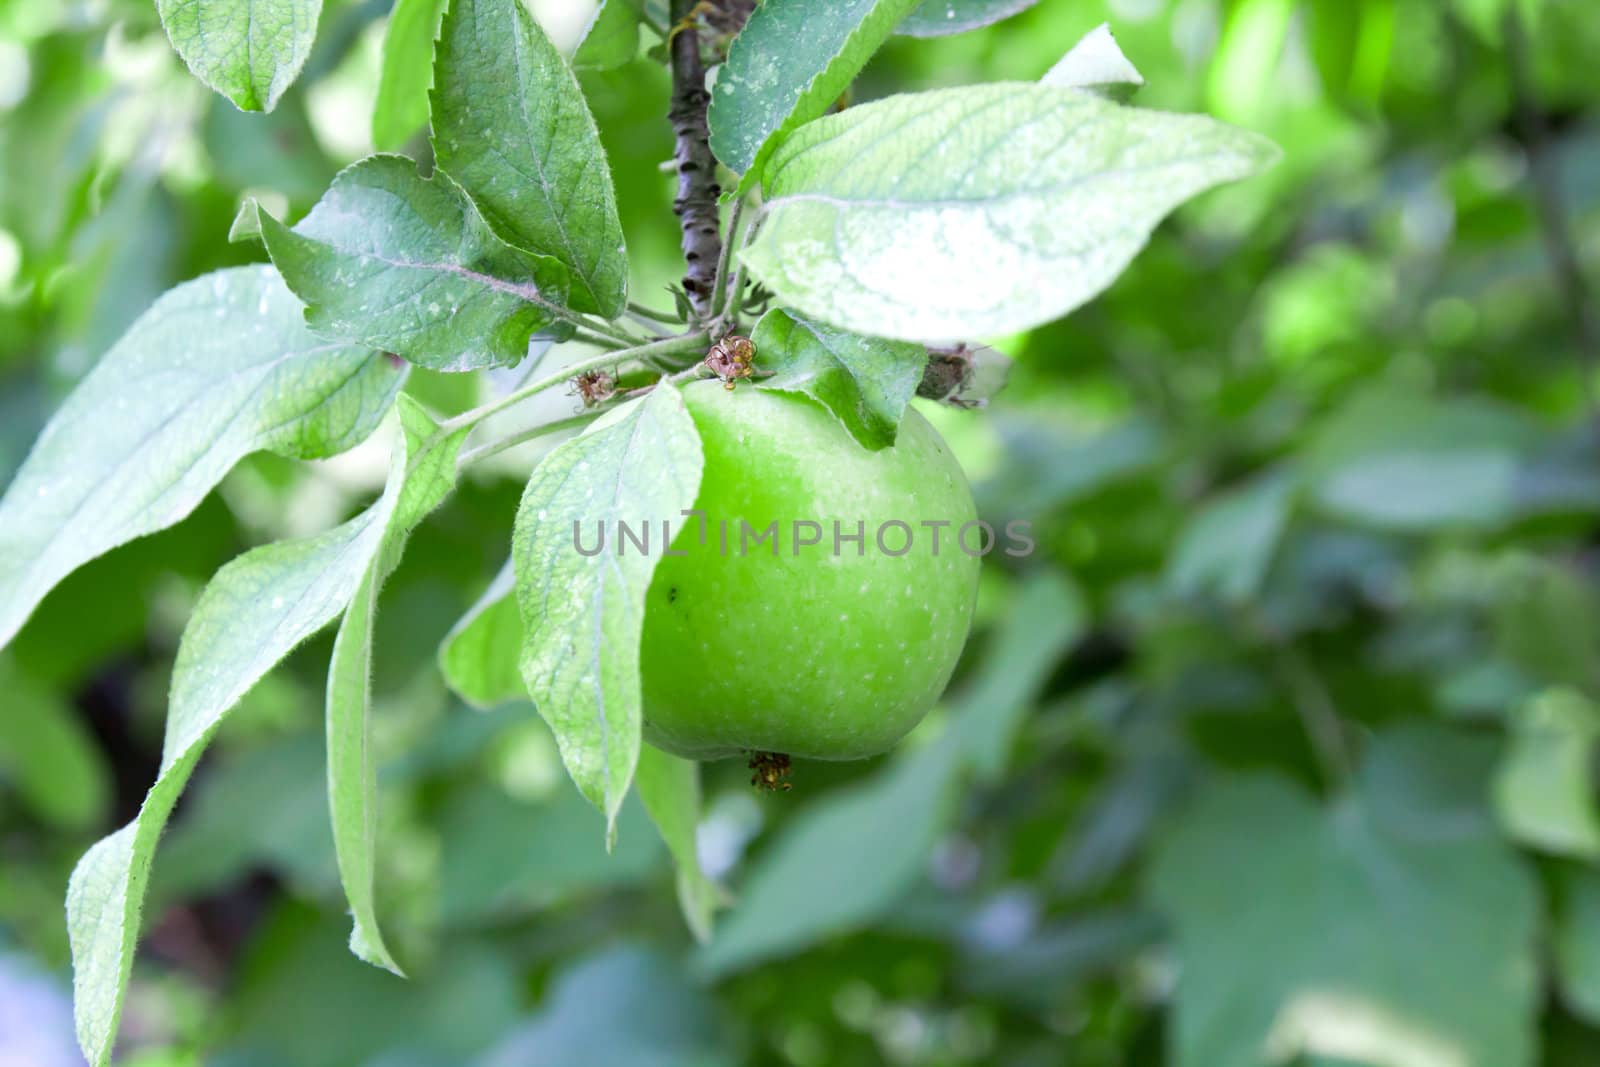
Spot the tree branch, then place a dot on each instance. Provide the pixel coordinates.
(696, 205)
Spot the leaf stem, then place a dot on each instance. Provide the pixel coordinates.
(577, 318)
(682, 344)
(494, 448)
(720, 296)
(602, 342)
(733, 298)
(655, 316)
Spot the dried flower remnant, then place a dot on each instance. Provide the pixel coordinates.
(732, 359)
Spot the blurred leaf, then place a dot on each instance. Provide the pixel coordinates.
(277, 151)
(582, 614)
(220, 367)
(1576, 935)
(1117, 823)
(669, 787)
(402, 105)
(936, 18)
(865, 381)
(1485, 17)
(790, 64)
(247, 50)
(1346, 948)
(429, 476)
(670, 1023)
(853, 853)
(255, 611)
(479, 655)
(504, 857)
(1247, 56)
(511, 125)
(613, 37)
(1047, 467)
(1546, 619)
(49, 141)
(406, 264)
(1405, 463)
(302, 1001)
(48, 757)
(1096, 65)
(63, 645)
(1544, 788)
(1045, 620)
(905, 253)
(1351, 45)
(842, 865)
(1228, 545)
(262, 806)
(1046, 963)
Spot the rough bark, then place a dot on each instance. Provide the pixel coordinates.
(696, 204)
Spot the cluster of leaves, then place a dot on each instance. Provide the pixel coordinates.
(516, 232)
(1298, 695)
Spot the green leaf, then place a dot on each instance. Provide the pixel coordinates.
(1305, 931)
(613, 37)
(219, 367)
(1244, 70)
(1045, 620)
(429, 477)
(253, 613)
(1226, 548)
(940, 18)
(279, 151)
(246, 225)
(1544, 788)
(853, 854)
(1576, 936)
(670, 1022)
(504, 857)
(402, 105)
(248, 50)
(48, 755)
(393, 260)
(1545, 618)
(511, 125)
(790, 64)
(865, 381)
(1096, 65)
(1021, 202)
(260, 806)
(302, 1000)
(842, 864)
(670, 790)
(582, 615)
(1403, 461)
(478, 657)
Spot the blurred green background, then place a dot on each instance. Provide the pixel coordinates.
(1281, 749)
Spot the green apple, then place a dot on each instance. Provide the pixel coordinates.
(832, 650)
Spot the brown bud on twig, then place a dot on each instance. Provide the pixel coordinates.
(963, 376)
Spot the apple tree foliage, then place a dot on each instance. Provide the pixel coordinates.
(1304, 682)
